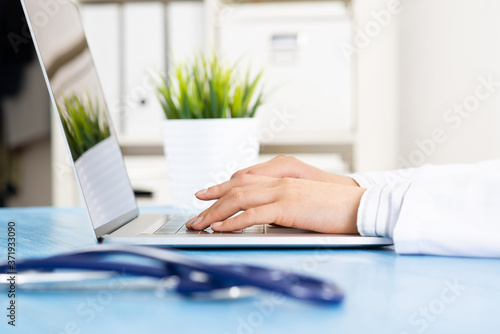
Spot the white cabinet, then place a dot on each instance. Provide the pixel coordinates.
(297, 46)
(102, 27)
(143, 52)
(128, 42)
(131, 40)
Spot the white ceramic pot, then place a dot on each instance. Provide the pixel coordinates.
(104, 182)
(204, 152)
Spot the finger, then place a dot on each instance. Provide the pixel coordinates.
(216, 191)
(220, 190)
(233, 202)
(272, 162)
(264, 214)
(255, 185)
(280, 166)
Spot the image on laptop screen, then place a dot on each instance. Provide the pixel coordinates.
(81, 109)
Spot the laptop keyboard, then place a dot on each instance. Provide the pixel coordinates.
(176, 224)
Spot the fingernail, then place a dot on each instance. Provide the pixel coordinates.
(217, 224)
(197, 221)
(190, 221)
(201, 192)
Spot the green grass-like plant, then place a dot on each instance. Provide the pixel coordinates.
(85, 124)
(206, 88)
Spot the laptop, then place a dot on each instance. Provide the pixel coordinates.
(97, 160)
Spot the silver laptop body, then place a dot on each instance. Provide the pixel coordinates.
(105, 188)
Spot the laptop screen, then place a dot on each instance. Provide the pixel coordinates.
(82, 112)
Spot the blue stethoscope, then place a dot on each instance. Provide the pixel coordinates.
(185, 275)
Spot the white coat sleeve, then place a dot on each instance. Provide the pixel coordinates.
(441, 210)
(383, 177)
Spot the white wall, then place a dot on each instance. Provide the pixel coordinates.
(426, 60)
(444, 46)
(375, 58)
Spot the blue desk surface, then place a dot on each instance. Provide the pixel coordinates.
(385, 293)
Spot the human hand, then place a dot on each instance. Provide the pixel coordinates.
(306, 204)
(283, 166)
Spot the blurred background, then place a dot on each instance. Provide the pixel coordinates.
(358, 85)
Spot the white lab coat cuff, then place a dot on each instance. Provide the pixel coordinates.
(373, 212)
(379, 209)
(367, 212)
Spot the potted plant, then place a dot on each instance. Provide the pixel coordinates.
(210, 131)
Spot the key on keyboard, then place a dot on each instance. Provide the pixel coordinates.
(174, 224)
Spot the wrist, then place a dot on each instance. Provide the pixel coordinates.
(354, 209)
(344, 180)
